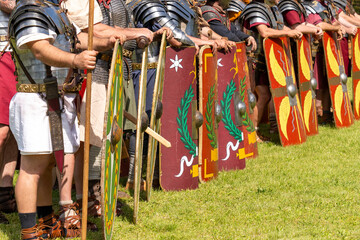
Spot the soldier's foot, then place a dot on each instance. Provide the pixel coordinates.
(70, 220)
(261, 138)
(130, 185)
(51, 225)
(90, 225)
(34, 233)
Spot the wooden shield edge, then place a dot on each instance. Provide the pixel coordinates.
(155, 123)
(108, 224)
(139, 134)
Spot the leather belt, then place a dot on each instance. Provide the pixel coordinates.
(107, 58)
(39, 88)
(127, 53)
(137, 66)
(3, 38)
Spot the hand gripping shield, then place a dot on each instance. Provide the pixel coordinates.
(246, 96)
(356, 73)
(284, 91)
(112, 144)
(307, 84)
(230, 128)
(337, 80)
(211, 110)
(179, 163)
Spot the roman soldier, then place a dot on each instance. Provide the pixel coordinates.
(218, 19)
(43, 122)
(264, 20)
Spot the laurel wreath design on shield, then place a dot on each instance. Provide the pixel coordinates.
(182, 121)
(246, 119)
(208, 115)
(225, 106)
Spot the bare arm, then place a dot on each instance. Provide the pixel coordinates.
(105, 31)
(307, 28)
(99, 44)
(267, 32)
(7, 5)
(56, 57)
(351, 19)
(328, 27)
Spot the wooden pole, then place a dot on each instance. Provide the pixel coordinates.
(87, 127)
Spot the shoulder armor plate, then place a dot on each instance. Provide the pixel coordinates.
(288, 5)
(180, 8)
(209, 14)
(38, 13)
(313, 7)
(258, 10)
(236, 6)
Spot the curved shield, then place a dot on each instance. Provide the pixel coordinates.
(111, 150)
(141, 125)
(307, 84)
(179, 163)
(230, 129)
(246, 96)
(210, 108)
(284, 91)
(356, 73)
(337, 80)
(155, 117)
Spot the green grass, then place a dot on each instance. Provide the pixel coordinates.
(309, 191)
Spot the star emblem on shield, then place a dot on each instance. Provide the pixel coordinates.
(176, 63)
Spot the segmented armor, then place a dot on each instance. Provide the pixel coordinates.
(183, 15)
(115, 14)
(345, 6)
(149, 11)
(40, 17)
(210, 13)
(236, 6)
(292, 5)
(256, 12)
(315, 7)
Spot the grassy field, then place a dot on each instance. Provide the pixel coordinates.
(310, 191)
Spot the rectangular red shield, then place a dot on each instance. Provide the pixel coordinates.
(307, 84)
(179, 163)
(249, 99)
(356, 73)
(208, 105)
(284, 92)
(337, 80)
(230, 130)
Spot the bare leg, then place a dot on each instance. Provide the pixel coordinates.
(44, 191)
(31, 169)
(78, 173)
(8, 156)
(65, 184)
(264, 96)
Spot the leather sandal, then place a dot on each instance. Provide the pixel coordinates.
(90, 225)
(51, 225)
(71, 225)
(34, 233)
